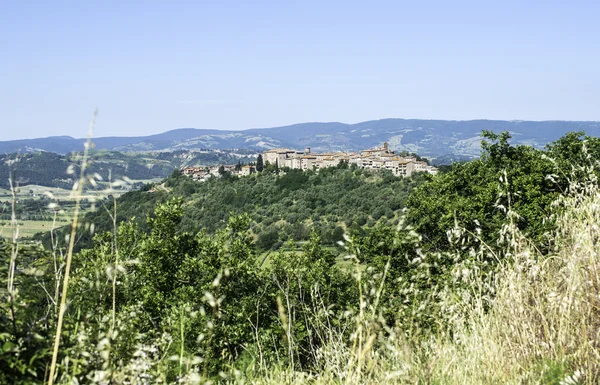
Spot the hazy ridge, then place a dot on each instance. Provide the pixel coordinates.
(432, 138)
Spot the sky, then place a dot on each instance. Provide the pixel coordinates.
(151, 66)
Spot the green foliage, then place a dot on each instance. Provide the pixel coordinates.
(476, 195)
(26, 318)
(181, 291)
(305, 282)
(202, 289)
(281, 207)
(293, 180)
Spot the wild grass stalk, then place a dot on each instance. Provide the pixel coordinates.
(114, 252)
(15, 234)
(78, 191)
(12, 294)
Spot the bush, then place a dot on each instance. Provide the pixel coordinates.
(268, 239)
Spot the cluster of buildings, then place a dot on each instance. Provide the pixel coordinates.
(373, 159)
(202, 173)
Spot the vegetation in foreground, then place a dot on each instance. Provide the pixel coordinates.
(511, 295)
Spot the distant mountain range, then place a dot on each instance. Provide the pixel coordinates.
(433, 138)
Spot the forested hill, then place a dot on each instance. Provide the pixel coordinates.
(287, 206)
(50, 169)
(433, 138)
(341, 199)
(281, 207)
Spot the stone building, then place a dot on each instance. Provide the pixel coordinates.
(379, 158)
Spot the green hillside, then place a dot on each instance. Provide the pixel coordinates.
(282, 207)
(486, 273)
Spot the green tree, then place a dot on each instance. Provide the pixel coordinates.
(259, 163)
(302, 282)
(572, 154)
(476, 195)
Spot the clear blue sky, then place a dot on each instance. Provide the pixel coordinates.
(151, 66)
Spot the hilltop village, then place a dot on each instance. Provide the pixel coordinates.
(372, 159)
